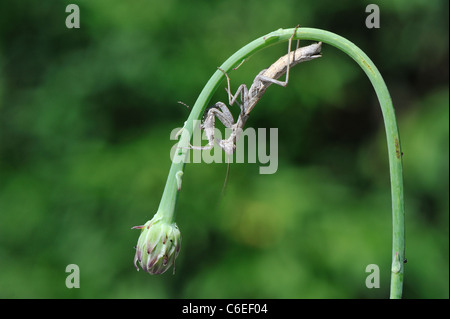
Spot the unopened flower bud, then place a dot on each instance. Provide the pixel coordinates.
(158, 246)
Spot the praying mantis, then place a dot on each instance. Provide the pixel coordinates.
(249, 97)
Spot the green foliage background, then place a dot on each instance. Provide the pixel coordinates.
(85, 118)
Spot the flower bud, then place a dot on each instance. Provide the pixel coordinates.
(158, 246)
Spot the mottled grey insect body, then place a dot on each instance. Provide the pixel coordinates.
(249, 97)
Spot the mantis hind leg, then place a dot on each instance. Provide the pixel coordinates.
(288, 65)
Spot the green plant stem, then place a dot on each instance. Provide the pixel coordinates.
(169, 198)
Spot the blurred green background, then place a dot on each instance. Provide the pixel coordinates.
(85, 118)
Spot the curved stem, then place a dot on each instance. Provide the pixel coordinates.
(169, 198)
